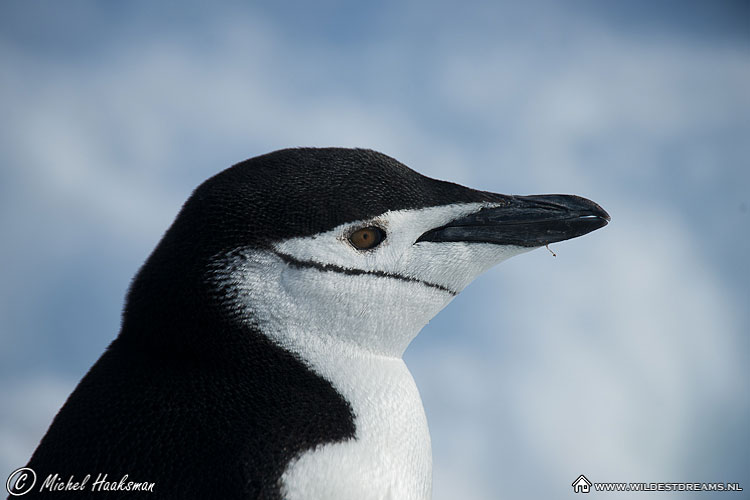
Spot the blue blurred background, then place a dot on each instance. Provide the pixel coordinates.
(624, 358)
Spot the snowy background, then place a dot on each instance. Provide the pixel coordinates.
(624, 358)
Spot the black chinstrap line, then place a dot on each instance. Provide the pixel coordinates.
(356, 272)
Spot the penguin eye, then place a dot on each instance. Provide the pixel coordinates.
(366, 238)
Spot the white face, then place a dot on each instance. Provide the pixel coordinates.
(322, 292)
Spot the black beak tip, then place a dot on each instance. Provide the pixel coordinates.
(598, 212)
(577, 215)
(596, 216)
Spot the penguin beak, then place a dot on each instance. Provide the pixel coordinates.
(525, 221)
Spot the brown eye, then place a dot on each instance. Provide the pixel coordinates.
(366, 238)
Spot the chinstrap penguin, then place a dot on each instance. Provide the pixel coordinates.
(260, 354)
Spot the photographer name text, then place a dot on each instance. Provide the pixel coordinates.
(53, 482)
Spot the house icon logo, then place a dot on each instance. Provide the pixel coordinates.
(581, 485)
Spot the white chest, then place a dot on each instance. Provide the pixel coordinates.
(390, 458)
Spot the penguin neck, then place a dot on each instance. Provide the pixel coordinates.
(389, 418)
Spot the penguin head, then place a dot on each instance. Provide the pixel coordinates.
(342, 248)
